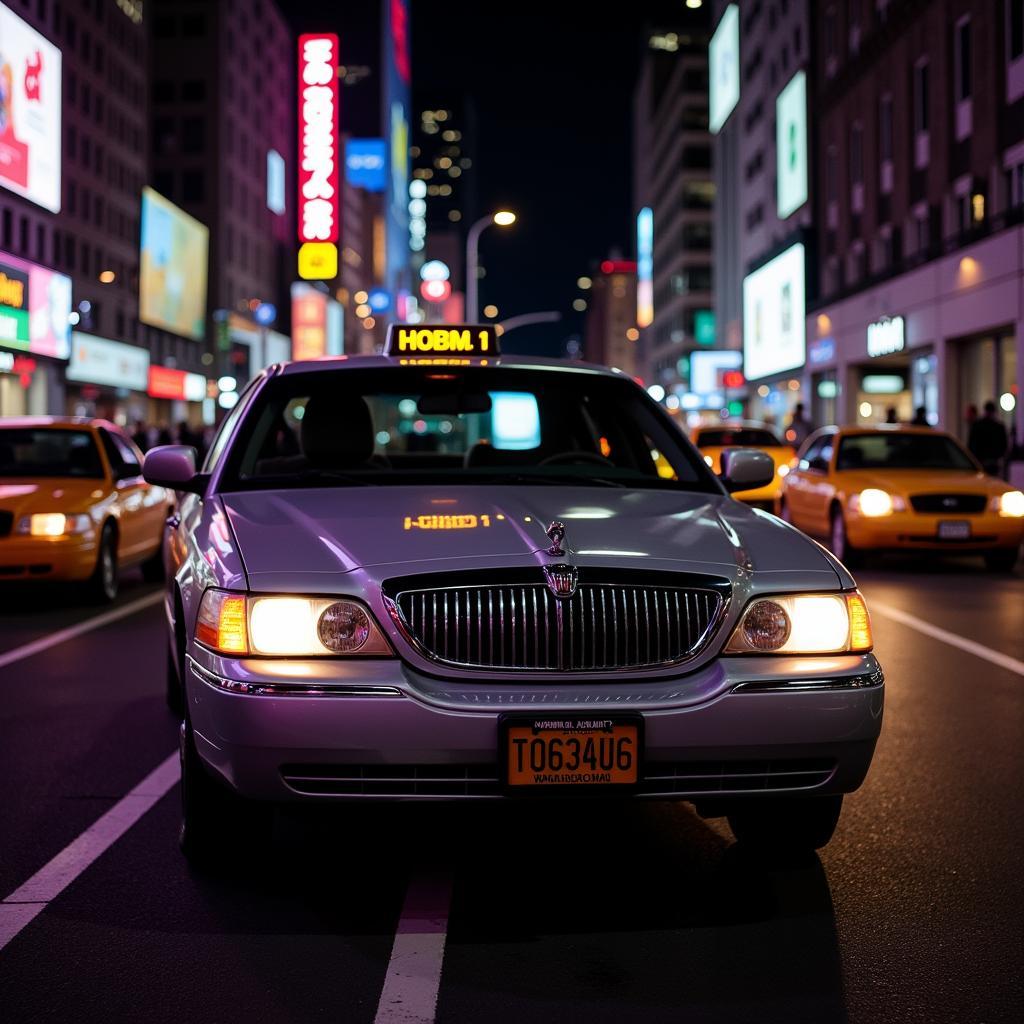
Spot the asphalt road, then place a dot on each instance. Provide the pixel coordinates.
(915, 911)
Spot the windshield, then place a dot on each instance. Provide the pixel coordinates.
(741, 437)
(40, 451)
(902, 451)
(458, 425)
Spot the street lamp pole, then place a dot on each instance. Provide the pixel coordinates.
(502, 218)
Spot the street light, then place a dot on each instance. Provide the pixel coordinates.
(503, 218)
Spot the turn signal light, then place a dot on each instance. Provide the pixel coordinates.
(221, 624)
(860, 623)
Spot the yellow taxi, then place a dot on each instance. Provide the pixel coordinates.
(711, 441)
(74, 505)
(901, 487)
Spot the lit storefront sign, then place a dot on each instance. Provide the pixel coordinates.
(885, 336)
(366, 164)
(791, 146)
(35, 304)
(704, 326)
(109, 363)
(318, 202)
(821, 351)
(318, 261)
(309, 322)
(645, 267)
(30, 112)
(724, 68)
(176, 385)
(275, 182)
(395, 109)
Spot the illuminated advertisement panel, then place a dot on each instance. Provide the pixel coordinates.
(724, 70)
(172, 278)
(35, 304)
(111, 363)
(774, 331)
(30, 112)
(309, 322)
(318, 217)
(275, 182)
(645, 267)
(397, 79)
(791, 145)
(366, 164)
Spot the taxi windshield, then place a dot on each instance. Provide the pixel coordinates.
(41, 451)
(466, 425)
(902, 451)
(745, 437)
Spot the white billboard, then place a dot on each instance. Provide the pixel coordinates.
(791, 145)
(774, 308)
(112, 363)
(724, 70)
(30, 112)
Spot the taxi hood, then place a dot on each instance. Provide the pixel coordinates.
(24, 495)
(287, 538)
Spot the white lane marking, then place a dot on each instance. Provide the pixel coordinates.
(413, 977)
(953, 639)
(30, 899)
(97, 622)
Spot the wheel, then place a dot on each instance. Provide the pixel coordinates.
(153, 567)
(1001, 559)
(175, 691)
(787, 824)
(103, 584)
(215, 823)
(841, 547)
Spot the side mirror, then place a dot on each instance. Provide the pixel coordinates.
(174, 466)
(744, 469)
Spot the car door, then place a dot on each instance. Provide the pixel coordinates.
(800, 481)
(820, 487)
(156, 501)
(134, 540)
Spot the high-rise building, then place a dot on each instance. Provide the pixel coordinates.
(610, 333)
(673, 194)
(920, 161)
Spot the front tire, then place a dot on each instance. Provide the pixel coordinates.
(841, 547)
(175, 691)
(103, 585)
(153, 567)
(1002, 559)
(787, 825)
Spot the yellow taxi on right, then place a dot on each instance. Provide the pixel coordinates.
(885, 488)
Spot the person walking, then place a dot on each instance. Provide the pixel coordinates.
(920, 417)
(988, 440)
(799, 426)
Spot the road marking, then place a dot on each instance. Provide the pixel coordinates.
(97, 622)
(26, 902)
(413, 977)
(953, 639)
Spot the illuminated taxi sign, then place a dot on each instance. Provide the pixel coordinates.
(442, 340)
(447, 522)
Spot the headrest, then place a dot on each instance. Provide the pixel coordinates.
(337, 431)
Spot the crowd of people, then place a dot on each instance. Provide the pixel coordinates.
(148, 436)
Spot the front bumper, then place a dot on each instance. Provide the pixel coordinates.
(49, 558)
(920, 531)
(379, 730)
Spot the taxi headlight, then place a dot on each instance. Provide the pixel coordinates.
(873, 502)
(803, 624)
(1010, 503)
(784, 470)
(53, 524)
(290, 626)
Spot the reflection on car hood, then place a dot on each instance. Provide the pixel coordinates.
(420, 529)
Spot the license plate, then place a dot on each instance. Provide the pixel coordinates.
(954, 530)
(579, 753)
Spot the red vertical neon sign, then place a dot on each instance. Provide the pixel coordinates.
(318, 138)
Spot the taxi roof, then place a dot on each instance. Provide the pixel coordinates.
(505, 361)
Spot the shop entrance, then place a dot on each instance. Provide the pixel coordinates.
(986, 371)
(883, 391)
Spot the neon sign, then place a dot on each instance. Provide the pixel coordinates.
(318, 138)
(453, 522)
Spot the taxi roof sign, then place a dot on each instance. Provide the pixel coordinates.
(442, 340)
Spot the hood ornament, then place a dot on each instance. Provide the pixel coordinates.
(562, 579)
(556, 534)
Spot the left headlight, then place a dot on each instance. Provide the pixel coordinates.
(290, 626)
(803, 624)
(1009, 503)
(53, 524)
(873, 502)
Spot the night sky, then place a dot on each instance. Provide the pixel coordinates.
(552, 82)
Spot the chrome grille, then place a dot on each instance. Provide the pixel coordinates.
(522, 626)
(961, 504)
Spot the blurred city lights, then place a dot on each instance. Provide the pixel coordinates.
(504, 217)
(490, 311)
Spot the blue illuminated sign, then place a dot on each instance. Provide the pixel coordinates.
(379, 300)
(366, 164)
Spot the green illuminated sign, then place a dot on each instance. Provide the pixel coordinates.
(704, 327)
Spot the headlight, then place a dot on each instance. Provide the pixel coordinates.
(290, 626)
(803, 624)
(783, 470)
(53, 524)
(1010, 503)
(708, 460)
(872, 502)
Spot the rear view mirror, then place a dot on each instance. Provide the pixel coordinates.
(744, 469)
(174, 466)
(453, 404)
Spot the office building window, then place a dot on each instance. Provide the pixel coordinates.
(885, 127)
(921, 96)
(962, 59)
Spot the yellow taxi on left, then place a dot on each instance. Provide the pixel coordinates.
(74, 506)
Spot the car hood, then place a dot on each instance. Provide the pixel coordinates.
(285, 536)
(922, 481)
(72, 495)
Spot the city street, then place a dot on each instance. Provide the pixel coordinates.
(599, 912)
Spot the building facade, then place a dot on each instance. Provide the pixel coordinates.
(672, 179)
(610, 334)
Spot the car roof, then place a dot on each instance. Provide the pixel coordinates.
(55, 422)
(505, 361)
(886, 428)
(737, 425)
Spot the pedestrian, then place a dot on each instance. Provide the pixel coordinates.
(920, 417)
(164, 435)
(141, 436)
(891, 416)
(799, 426)
(988, 440)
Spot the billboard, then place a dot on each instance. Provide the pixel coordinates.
(366, 164)
(319, 215)
(791, 145)
(176, 385)
(774, 329)
(275, 182)
(30, 112)
(112, 363)
(645, 267)
(172, 276)
(309, 322)
(397, 79)
(724, 68)
(708, 369)
(35, 304)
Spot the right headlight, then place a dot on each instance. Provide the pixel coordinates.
(803, 624)
(287, 625)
